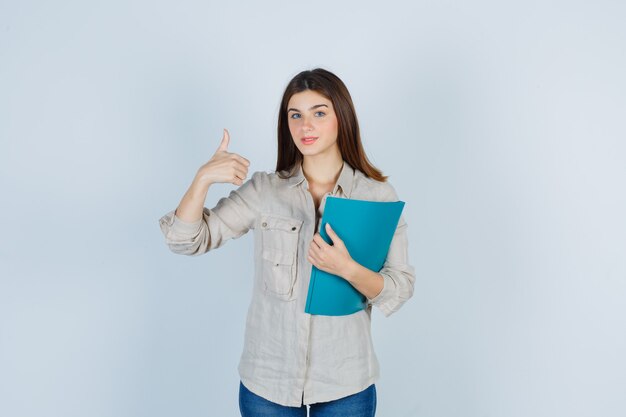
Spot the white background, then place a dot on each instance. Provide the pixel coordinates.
(501, 124)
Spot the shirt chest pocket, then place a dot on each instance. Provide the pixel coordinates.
(279, 251)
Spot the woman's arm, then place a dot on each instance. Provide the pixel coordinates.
(192, 229)
(398, 275)
(190, 208)
(231, 217)
(366, 281)
(387, 289)
(224, 167)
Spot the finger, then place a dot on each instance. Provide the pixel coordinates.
(313, 246)
(331, 233)
(236, 180)
(241, 159)
(314, 253)
(225, 141)
(239, 164)
(241, 173)
(319, 241)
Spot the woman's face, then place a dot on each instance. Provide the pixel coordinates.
(312, 123)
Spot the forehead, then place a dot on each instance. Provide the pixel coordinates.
(308, 98)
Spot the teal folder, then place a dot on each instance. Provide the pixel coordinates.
(366, 228)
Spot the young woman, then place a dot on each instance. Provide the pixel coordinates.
(290, 358)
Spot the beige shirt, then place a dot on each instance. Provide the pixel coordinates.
(291, 357)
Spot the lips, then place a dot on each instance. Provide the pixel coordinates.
(307, 140)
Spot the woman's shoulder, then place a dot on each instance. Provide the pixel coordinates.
(271, 179)
(373, 189)
(271, 176)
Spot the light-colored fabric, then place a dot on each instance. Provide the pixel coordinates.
(291, 357)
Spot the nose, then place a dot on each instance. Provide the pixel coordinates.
(306, 124)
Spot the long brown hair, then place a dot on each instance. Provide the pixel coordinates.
(348, 136)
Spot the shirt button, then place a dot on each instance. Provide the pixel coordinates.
(293, 228)
(264, 224)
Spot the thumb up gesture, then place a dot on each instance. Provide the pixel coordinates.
(224, 166)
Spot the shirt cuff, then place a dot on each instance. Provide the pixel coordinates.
(175, 225)
(383, 293)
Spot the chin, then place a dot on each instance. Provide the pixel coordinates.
(305, 150)
(309, 152)
(314, 150)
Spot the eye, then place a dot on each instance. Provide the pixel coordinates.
(323, 114)
(295, 114)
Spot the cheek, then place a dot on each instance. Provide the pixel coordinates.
(293, 124)
(292, 129)
(331, 128)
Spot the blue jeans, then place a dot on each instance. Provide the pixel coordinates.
(361, 404)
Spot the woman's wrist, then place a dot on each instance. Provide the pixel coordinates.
(351, 271)
(201, 182)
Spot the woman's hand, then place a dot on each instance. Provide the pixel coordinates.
(333, 259)
(224, 166)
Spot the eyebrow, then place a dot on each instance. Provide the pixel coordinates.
(314, 107)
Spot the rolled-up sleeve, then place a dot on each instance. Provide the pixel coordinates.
(231, 218)
(398, 275)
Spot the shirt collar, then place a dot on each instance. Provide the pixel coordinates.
(346, 176)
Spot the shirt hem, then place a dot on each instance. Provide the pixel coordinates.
(322, 398)
(262, 392)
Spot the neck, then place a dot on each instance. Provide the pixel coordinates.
(322, 169)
